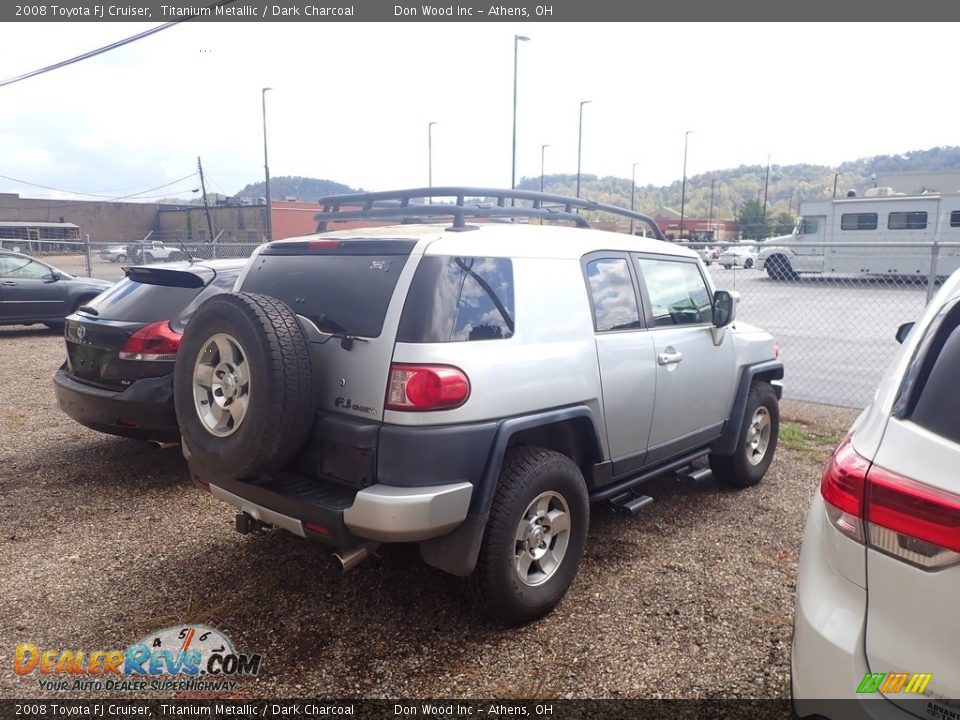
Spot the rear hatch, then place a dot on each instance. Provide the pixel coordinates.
(349, 294)
(126, 334)
(913, 524)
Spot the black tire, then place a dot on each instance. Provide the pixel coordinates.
(121, 258)
(727, 266)
(746, 466)
(527, 474)
(779, 268)
(280, 403)
(147, 258)
(748, 263)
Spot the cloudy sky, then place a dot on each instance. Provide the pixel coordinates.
(351, 101)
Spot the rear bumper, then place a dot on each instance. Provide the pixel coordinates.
(144, 410)
(828, 662)
(343, 517)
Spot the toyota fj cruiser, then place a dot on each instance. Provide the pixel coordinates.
(471, 388)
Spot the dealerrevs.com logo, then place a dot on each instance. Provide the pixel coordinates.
(184, 657)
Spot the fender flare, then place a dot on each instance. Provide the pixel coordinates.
(457, 552)
(768, 370)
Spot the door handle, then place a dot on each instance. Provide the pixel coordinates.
(8, 283)
(670, 357)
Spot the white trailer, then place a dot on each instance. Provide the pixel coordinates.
(882, 233)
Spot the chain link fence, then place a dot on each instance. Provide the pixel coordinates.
(835, 329)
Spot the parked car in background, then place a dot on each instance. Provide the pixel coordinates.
(152, 251)
(114, 253)
(31, 291)
(737, 256)
(879, 569)
(121, 348)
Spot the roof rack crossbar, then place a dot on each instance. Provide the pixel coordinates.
(440, 211)
(396, 203)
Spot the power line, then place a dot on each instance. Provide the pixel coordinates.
(105, 48)
(103, 197)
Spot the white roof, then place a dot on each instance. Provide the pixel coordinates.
(510, 240)
(31, 223)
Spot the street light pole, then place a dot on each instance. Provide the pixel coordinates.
(430, 153)
(766, 183)
(513, 163)
(580, 142)
(266, 168)
(713, 181)
(543, 150)
(633, 192)
(683, 187)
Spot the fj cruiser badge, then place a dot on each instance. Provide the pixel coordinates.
(350, 405)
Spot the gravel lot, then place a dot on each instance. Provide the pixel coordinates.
(103, 540)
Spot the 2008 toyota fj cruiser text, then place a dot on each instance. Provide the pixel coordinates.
(471, 388)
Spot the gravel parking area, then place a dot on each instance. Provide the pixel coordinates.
(103, 540)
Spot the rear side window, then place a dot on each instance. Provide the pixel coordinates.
(134, 301)
(457, 299)
(337, 292)
(614, 297)
(937, 404)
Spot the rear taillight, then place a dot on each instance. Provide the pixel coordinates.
(426, 387)
(912, 521)
(156, 341)
(891, 513)
(842, 489)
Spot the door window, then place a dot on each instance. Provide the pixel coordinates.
(678, 293)
(24, 268)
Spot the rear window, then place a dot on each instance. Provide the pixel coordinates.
(937, 403)
(338, 293)
(223, 282)
(134, 301)
(457, 299)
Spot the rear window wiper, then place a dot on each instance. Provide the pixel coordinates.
(336, 330)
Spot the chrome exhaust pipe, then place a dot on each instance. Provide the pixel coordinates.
(160, 445)
(349, 559)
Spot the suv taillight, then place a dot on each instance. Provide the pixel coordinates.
(426, 387)
(896, 515)
(156, 341)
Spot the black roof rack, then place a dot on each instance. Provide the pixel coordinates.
(395, 204)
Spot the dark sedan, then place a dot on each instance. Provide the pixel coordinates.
(121, 348)
(33, 292)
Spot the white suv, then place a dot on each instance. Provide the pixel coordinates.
(471, 388)
(879, 579)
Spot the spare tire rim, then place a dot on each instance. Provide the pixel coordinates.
(221, 385)
(541, 539)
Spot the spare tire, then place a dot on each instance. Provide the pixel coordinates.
(243, 387)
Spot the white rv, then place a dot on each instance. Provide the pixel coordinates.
(882, 233)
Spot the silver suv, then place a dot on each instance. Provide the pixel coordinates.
(471, 388)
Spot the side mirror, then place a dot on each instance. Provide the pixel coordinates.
(724, 307)
(52, 277)
(903, 331)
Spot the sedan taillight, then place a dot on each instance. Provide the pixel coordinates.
(156, 341)
(426, 387)
(889, 512)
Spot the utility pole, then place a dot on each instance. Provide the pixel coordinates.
(206, 205)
